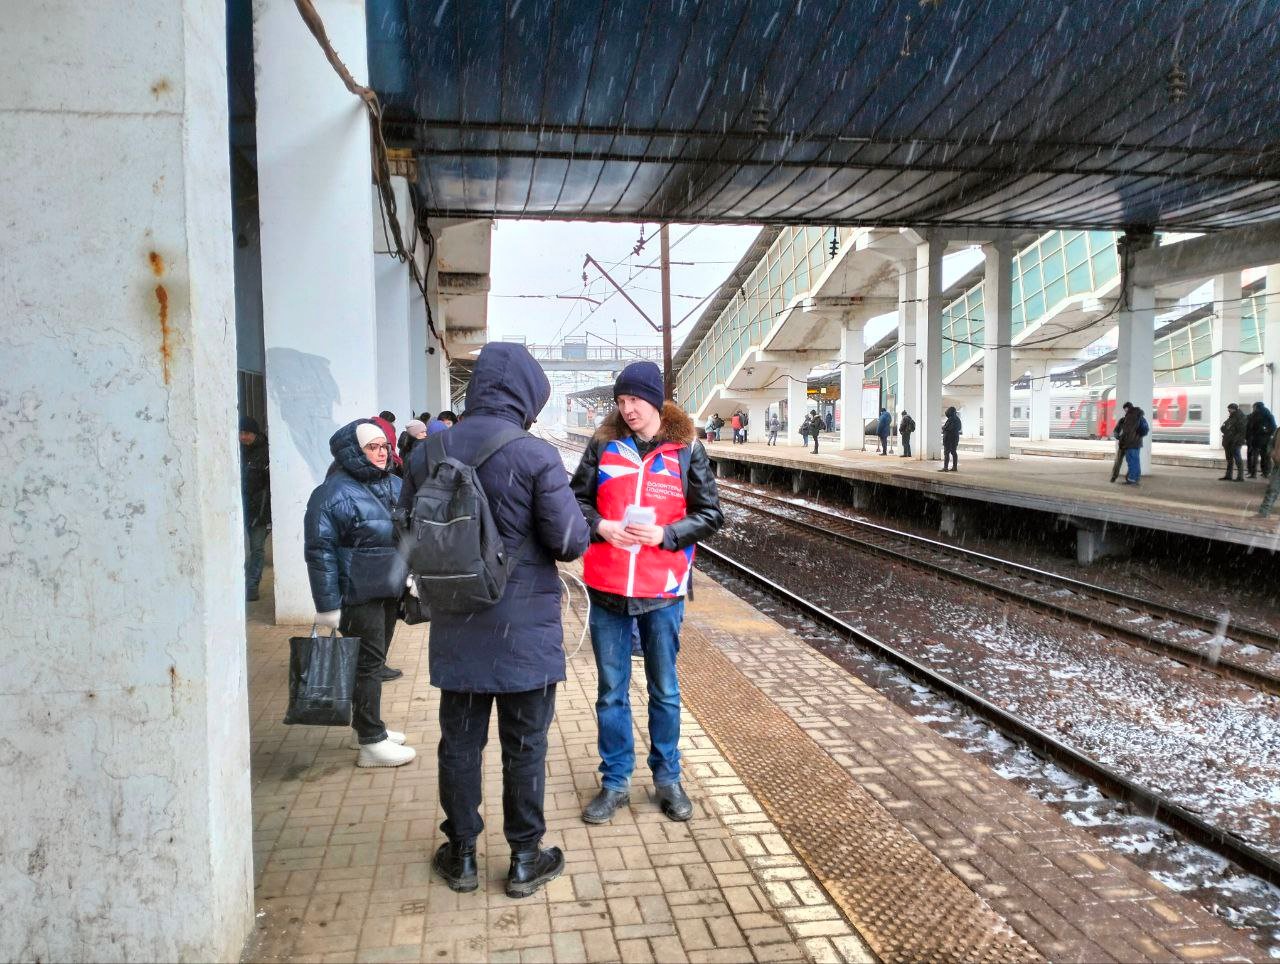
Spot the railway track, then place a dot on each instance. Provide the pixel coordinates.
(1155, 626)
(1142, 798)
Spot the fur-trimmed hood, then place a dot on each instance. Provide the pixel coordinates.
(676, 426)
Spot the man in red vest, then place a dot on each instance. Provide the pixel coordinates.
(647, 490)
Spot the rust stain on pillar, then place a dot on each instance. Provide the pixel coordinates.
(162, 301)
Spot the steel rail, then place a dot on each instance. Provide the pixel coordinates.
(1149, 802)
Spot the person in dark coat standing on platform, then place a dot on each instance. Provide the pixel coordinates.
(951, 441)
(512, 653)
(357, 573)
(884, 425)
(1273, 487)
(1233, 437)
(815, 427)
(255, 497)
(905, 429)
(804, 430)
(1259, 428)
(1129, 433)
(774, 426)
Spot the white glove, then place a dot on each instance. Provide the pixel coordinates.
(412, 585)
(329, 620)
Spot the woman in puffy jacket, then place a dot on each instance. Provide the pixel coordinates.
(357, 574)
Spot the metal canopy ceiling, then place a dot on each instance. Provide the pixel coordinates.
(873, 112)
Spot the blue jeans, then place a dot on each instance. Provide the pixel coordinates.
(1133, 464)
(611, 642)
(255, 555)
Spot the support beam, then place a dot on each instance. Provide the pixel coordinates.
(929, 345)
(1271, 342)
(908, 395)
(1135, 377)
(1039, 418)
(1224, 367)
(852, 346)
(757, 420)
(1212, 254)
(997, 353)
(797, 403)
(124, 713)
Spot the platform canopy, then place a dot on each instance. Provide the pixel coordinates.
(878, 112)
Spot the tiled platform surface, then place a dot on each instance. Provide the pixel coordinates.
(1178, 499)
(343, 854)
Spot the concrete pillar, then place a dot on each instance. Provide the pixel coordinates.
(908, 394)
(859, 494)
(757, 420)
(1271, 341)
(392, 286)
(1096, 540)
(797, 483)
(1224, 379)
(317, 263)
(851, 358)
(1040, 403)
(124, 733)
(929, 346)
(1135, 376)
(997, 353)
(797, 402)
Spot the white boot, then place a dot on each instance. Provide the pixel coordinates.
(384, 754)
(395, 736)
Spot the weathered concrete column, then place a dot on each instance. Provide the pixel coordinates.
(393, 288)
(797, 402)
(317, 263)
(852, 348)
(997, 353)
(757, 420)
(929, 346)
(1224, 367)
(1271, 342)
(1040, 403)
(908, 393)
(1135, 376)
(124, 734)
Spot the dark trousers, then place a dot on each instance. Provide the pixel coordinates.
(950, 459)
(255, 554)
(375, 623)
(1115, 466)
(1260, 452)
(523, 721)
(906, 445)
(815, 444)
(884, 444)
(1232, 452)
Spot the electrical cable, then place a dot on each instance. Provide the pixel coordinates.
(586, 619)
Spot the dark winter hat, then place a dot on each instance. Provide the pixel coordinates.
(248, 424)
(643, 379)
(1233, 407)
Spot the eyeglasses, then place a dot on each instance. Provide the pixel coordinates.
(377, 447)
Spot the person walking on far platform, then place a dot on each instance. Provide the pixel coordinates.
(1129, 432)
(906, 426)
(1233, 437)
(649, 495)
(255, 494)
(951, 441)
(774, 426)
(815, 426)
(1273, 487)
(1259, 427)
(884, 423)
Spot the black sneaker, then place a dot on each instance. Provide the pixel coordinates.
(387, 674)
(251, 595)
(530, 869)
(605, 805)
(455, 864)
(674, 801)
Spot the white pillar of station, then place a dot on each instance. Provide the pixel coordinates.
(318, 300)
(757, 419)
(1271, 341)
(124, 728)
(1135, 348)
(1224, 366)
(797, 401)
(929, 344)
(997, 354)
(908, 394)
(852, 350)
(1040, 402)
(393, 289)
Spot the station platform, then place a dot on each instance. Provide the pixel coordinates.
(828, 826)
(1181, 499)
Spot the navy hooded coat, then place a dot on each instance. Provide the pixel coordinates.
(518, 644)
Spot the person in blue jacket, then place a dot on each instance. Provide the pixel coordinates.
(512, 653)
(357, 574)
(883, 425)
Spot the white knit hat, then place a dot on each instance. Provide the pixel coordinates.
(367, 432)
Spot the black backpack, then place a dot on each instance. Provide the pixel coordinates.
(454, 548)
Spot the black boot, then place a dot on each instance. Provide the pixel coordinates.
(456, 866)
(530, 869)
(605, 805)
(387, 674)
(674, 801)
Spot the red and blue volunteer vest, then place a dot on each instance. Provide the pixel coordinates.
(624, 479)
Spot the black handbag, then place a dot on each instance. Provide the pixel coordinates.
(322, 679)
(413, 610)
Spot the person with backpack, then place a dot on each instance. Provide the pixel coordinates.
(649, 495)
(884, 425)
(357, 573)
(1129, 433)
(1233, 438)
(906, 426)
(804, 431)
(488, 487)
(735, 422)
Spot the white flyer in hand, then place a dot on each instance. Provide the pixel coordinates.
(644, 515)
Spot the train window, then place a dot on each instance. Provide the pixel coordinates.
(1195, 413)
(1057, 411)
(1017, 411)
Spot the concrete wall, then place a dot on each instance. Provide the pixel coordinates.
(123, 708)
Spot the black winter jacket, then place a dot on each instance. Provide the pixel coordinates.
(349, 536)
(951, 430)
(1233, 430)
(1259, 426)
(255, 482)
(518, 644)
